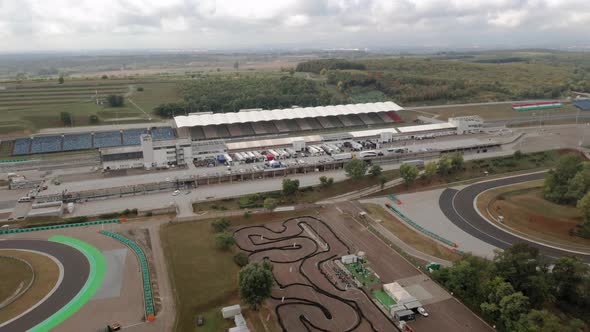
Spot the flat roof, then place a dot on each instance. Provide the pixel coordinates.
(283, 114)
(427, 127)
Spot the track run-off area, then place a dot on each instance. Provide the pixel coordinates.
(82, 269)
(460, 208)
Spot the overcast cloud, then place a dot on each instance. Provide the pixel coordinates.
(230, 24)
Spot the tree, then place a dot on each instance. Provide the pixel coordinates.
(270, 203)
(558, 180)
(457, 161)
(584, 207)
(290, 186)
(220, 225)
(115, 100)
(517, 154)
(511, 308)
(241, 259)
(170, 110)
(409, 173)
(104, 77)
(236, 65)
(445, 166)
(93, 119)
(497, 289)
(255, 284)
(60, 80)
(224, 241)
(382, 181)
(326, 181)
(568, 274)
(375, 170)
(66, 118)
(355, 169)
(579, 185)
(429, 171)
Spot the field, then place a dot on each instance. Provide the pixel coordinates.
(28, 107)
(525, 210)
(206, 279)
(410, 236)
(15, 275)
(46, 275)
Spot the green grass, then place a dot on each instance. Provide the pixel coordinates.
(204, 278)
(385, 299)
(13, 274)
(367, 277)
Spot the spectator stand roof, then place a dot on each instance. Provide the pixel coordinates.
(583, 104)
(283, 114)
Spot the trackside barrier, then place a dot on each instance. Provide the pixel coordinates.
(395, 199)
(424, 230)
(145, 271)
(45, 228)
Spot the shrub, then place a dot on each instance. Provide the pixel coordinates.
(241, 259)
(220, 225)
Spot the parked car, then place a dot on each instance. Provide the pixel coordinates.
(422, 312)
(176, 193)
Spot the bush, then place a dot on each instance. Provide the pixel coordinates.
(115, 100)
(140, 88)
(224, 241)
(74, 220)
(241, 259)
(111, 215)
(93, 119)
(220, 225)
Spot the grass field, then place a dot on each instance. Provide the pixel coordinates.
(409, 236)
(14, 275)
(524, 209)
(28, 107)
(205, 278)
(495, 111)
(385, 299)
(46, 275)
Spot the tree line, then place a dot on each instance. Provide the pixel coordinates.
(316, 66)
(518, 290)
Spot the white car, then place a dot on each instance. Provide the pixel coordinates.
(422, 312)
(176, 193)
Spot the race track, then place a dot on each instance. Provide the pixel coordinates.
(458, 207)
(76, 270)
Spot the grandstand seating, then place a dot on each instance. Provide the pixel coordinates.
(246, 129)
(77, 142)
(44, 144)
(22, 146)
(303, 124)
(325, 123)
(270, 127)
(132, 136)
(162, 133)
(197, 133)
(234, 130)
(366, 119)
(384, 117)
(107, 138)
(281, 126)
(292, 125)
(210, 132)
(222, 131)
(259, 128)
(356, 121)
(374, 117)
(583, 104)
(394, 116)
(336, 123)
(345, 120)
(314, 123)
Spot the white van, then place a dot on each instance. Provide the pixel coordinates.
(24, 199)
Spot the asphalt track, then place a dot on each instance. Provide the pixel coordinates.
(458, 207)
(76, 270)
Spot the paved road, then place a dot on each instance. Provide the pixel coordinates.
(458, 207)
(76, 270)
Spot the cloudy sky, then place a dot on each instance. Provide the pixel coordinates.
(232, 24)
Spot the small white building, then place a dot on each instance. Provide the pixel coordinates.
(467, 124)
(231, 311)
(349, 259)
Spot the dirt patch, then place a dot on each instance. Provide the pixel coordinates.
(15, 275)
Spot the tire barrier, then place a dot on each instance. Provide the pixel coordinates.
(395, 199)
(145, 272)
(424, 230)
(45, 228)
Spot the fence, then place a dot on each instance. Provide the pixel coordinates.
(424, 230)
(145, 271)
(45, 228)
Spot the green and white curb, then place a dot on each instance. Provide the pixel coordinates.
(97, 263)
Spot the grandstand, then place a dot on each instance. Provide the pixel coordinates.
(85, 141)
(583, 104)
(206, 126)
